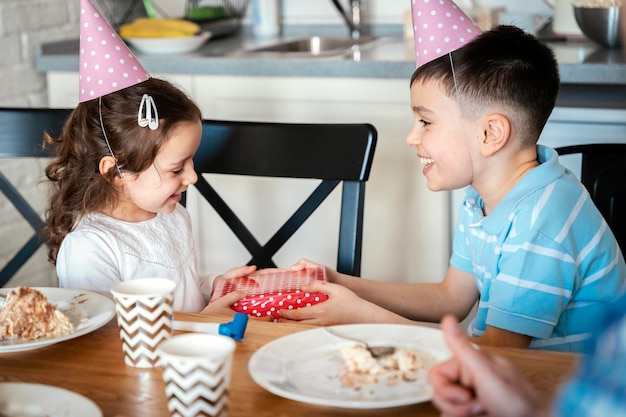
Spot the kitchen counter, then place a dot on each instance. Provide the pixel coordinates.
(388, 57)
(580, 62)
(591, 76)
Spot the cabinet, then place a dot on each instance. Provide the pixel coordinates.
(406, 230)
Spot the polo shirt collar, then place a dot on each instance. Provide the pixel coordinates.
(548, 170)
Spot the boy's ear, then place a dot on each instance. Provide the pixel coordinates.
(497, 131)
(106, 164)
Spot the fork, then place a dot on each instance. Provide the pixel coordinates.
(375, 351)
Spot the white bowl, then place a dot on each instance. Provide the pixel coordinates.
(169, 45)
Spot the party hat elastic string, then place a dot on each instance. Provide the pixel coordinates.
(106, 139)
(151, 120)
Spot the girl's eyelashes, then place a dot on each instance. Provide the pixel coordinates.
(185, 166)
(424, 122)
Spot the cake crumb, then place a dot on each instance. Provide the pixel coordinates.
(361, 368)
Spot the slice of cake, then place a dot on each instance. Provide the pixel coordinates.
(27, 315)
(361, 368)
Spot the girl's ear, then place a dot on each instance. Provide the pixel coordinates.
(106, 164)
(497, 131)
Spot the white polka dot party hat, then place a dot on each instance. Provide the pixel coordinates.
(440, 27)
(106, 63)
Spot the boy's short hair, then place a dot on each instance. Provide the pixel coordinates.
(504, 70)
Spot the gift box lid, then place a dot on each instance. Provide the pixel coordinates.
(269, 282)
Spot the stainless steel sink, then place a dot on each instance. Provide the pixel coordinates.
(312, 46)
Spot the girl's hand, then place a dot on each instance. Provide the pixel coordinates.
(342, 306)
(241, 274)
(239, 271)
(222, 304)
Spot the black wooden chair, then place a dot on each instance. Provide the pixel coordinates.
(603, 172)
(21, 136)
(332, 153)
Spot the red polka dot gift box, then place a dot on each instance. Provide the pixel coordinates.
(270, 292)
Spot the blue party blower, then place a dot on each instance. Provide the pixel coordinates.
(234, 329)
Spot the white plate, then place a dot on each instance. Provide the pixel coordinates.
(36, 400)
(305, 366)
(169, 45)
(86, 310)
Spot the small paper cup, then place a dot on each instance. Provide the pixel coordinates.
(144, 315)
(197, 372)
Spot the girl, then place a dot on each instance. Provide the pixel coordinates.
(118, 176)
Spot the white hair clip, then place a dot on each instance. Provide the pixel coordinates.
(151, 121)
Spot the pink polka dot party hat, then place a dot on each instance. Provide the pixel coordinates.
(106, 63)
(439, 27)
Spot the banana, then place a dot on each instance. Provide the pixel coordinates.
(151, 33)
(176, 24)
(144, 27)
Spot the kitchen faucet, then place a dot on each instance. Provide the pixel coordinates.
(353, 20)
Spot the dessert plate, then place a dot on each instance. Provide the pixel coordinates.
(35, 400)
(306, 366)
(86, 310)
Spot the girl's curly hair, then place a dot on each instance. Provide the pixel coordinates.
(78, 188)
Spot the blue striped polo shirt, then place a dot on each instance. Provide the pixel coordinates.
(544, 260)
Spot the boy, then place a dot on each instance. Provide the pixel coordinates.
(530, 247)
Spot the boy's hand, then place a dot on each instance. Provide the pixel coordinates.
(303, 264)
(339, 308)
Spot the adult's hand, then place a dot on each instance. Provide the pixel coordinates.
(474, 383)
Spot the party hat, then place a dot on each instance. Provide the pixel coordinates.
(439, 27)
(106, 63)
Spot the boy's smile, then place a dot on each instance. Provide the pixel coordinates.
(427, 162)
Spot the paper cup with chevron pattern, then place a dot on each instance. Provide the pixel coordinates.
(144, 315)
(196, 372)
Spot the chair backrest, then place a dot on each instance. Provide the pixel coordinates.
(603, 172)
(332, 153)
(21, 135)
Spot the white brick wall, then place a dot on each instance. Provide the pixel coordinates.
(23, 25)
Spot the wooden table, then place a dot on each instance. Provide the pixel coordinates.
(93, 366)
